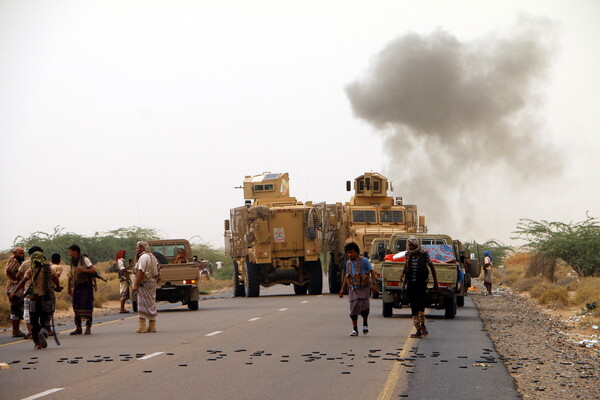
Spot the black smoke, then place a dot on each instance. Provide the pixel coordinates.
(457, 114)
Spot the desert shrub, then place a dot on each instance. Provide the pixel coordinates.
(588, 291)
(517, 259)
(528, 284)
(570, 283)
(224, 273)
(554, 296)
(578, 244)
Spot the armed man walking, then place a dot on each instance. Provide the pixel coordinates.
(81, 287)
(416, 276)
(146, 275)
(42, 283)
(16, 301)
(359, 280)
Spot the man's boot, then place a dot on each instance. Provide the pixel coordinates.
(88, 327)
(421, 316)
(152, 325)
(77, 330)
(142, 327)
(16, 332)
(417, 324)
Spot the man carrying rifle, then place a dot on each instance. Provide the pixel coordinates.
(82, 277)
(124, 280)
(42, 283)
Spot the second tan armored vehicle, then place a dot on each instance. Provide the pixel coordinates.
(273, 239)
(371, 213)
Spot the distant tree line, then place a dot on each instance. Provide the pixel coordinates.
(100, 247)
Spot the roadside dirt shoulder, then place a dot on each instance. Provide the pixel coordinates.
(544, 361)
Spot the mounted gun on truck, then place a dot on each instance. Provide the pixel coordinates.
(450, 262)
(273, 238)
(369, 214)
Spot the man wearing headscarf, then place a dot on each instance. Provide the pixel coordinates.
(16, 302)
(41, 289)
(487, 271)
(146, 276)
(124, 280)
(416, 277)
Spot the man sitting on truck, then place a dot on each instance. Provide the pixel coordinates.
(416, 276)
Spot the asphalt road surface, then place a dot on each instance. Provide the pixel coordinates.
(276, 346)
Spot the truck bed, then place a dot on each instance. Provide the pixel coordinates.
(175, 274)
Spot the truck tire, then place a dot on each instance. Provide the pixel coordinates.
(300, 289)
(334, 283)
(450, 307)
(238, 287)
(134, 306)
(388, 309)
(460, 301)
(315, 273)
(193, 305)
(252, 279)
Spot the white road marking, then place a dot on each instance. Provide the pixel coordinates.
(46, 393)
(253, 319)
(151, 355)
(282, 309)
(214, 333)
(305, 301)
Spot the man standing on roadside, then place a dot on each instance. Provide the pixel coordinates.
(359, 279)
(146, 275)
(124, 280)
(81, 287)
(416, 276)
(16, 302)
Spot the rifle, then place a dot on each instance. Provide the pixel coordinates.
(97, 275)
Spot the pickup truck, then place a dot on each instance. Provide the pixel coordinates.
(178, 282)
(449, 259)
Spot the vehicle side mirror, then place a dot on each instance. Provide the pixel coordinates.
(226, 224)
(348, 186)
(381, 255)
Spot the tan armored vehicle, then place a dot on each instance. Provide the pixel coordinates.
(273, 239)
(178, 282)
(369, 214)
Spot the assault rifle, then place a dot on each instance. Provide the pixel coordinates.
(97, 275)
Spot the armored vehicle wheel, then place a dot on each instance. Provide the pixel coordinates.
(134, 306)
(252, 279)
(300, 289)
(193, 305)
(238, 287)
(315, 272)
(449, 307)
(334, 284)
(460, 301)
(388, 309)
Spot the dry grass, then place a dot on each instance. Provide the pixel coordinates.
(567, 290)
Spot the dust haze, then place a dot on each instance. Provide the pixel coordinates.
(460, 118)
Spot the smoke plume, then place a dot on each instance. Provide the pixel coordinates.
(458, 114)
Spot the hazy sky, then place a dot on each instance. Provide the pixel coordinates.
(150, 113)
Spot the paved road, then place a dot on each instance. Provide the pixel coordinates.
(276, 346)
